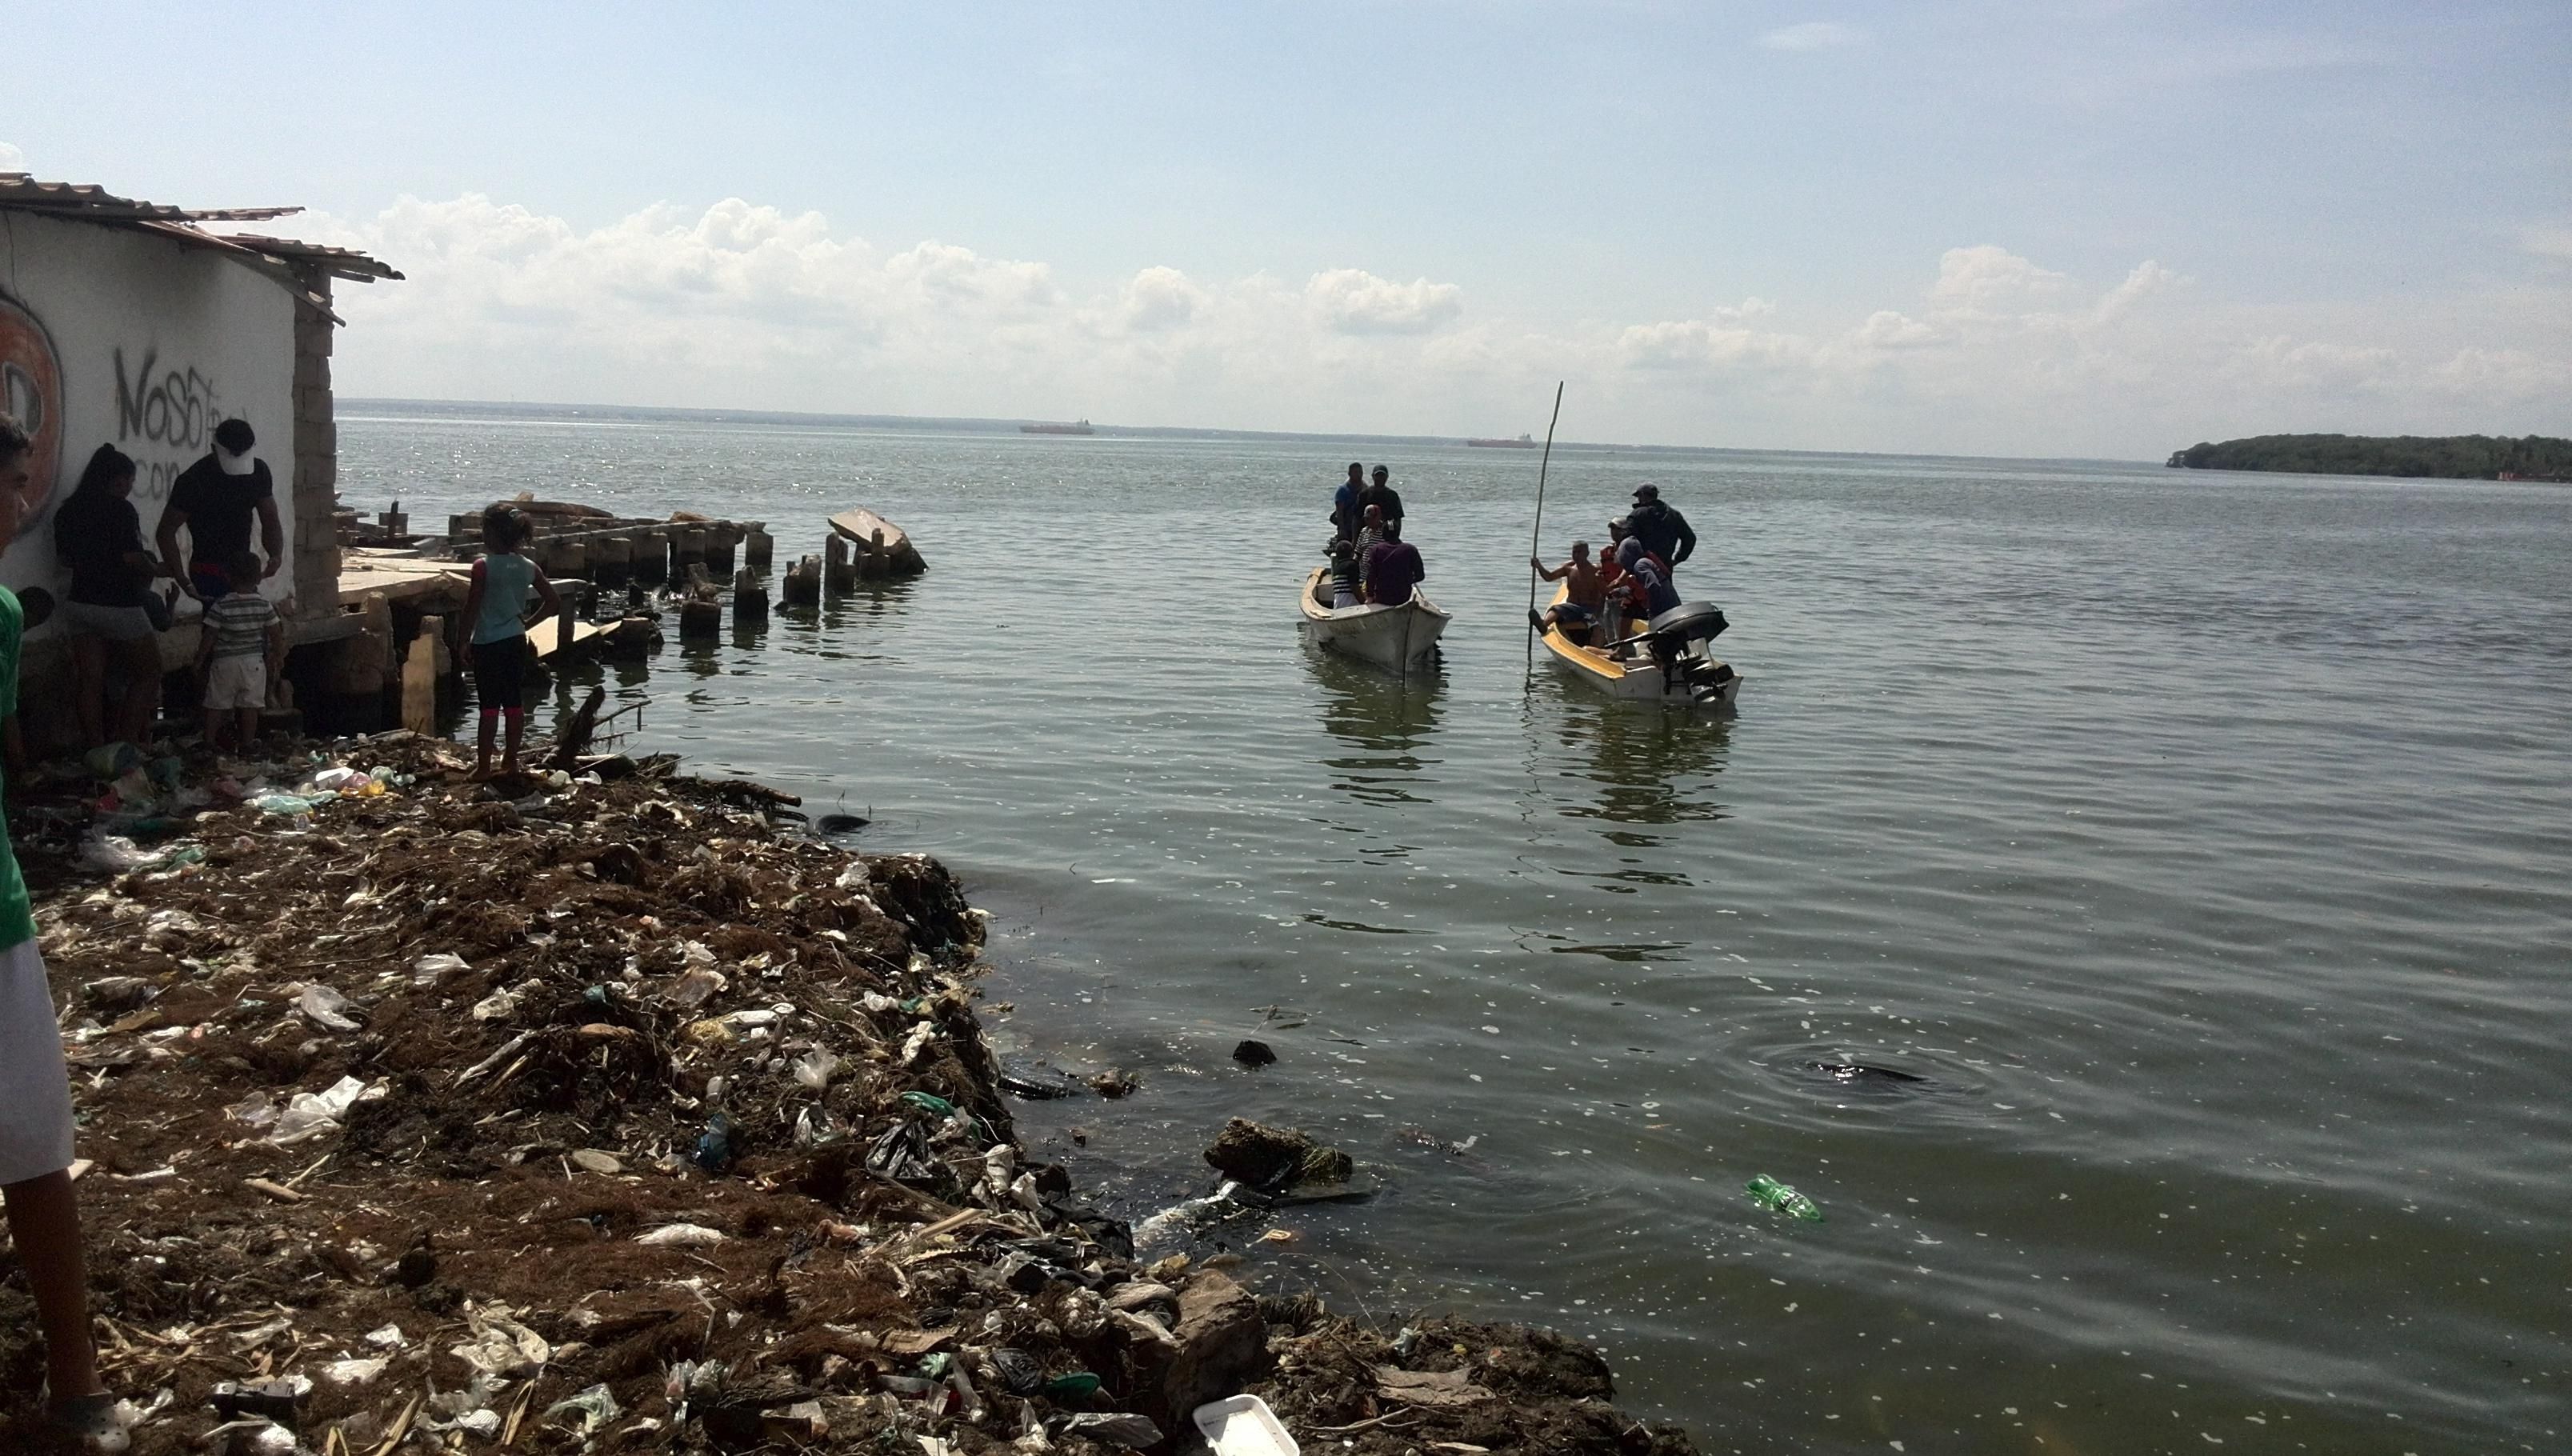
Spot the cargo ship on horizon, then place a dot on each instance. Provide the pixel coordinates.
(1077, 427)
(1523, 442)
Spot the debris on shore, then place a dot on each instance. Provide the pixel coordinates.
(604, 1113)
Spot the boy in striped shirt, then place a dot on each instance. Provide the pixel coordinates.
(240, 652)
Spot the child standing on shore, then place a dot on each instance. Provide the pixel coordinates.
(241, 649)
(35, 1092)
(496, 606)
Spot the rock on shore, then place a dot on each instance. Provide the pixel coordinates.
(613, 1117)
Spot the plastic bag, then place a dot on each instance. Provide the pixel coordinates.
(311, 1115)
(429, 968)
(815, 1068)
(326, 1008)
(116, 854)
(695, 986)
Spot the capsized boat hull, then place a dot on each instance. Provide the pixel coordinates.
(1398, 638)
(1637, 679)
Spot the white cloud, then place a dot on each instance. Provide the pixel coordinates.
(2148, 279)
(742, 306)
(1887, 328)
(11, 159)
(1812, 35)
(2503, 374)
(1704, 343)
(1158, 299)
(2547, 240)
(2279, 361)
(1357, 302)
(1989, 278)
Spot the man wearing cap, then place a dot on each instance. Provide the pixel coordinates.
(213, 501)
(1663, 531)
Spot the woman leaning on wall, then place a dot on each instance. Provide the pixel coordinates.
(99, 535)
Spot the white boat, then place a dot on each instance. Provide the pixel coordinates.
(1683, 671)
(1395, 638)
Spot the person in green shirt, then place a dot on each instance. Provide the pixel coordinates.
(35, 1089)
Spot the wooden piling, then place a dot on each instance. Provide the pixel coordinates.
(758, 547)
(420, 678)
(748, 596)
(611, 559)
(803, 585)
(652, 557)
(839, 573)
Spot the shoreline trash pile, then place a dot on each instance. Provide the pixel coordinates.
(597, 1111)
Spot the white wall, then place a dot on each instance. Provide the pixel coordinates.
(154, 342)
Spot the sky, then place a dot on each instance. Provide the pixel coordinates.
(2091, 227)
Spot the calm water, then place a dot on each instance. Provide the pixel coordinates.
(2202, 840)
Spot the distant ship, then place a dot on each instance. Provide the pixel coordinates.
(1081, 428)
(1523, 442)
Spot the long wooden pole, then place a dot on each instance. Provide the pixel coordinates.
(1536, 544)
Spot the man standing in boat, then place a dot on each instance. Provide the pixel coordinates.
(1662, 530)
(1346, 512)
(1383, 497)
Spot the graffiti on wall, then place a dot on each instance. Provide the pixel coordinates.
(165, 417)
(31, 389)
(166, 414)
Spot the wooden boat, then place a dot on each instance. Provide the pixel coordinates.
(1395, 638)
(883, 548)
(1702, 679)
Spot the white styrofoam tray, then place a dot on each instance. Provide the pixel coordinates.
(1243, 1425)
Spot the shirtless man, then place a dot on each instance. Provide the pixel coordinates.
(1583, 599)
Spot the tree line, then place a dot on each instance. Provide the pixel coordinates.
(2443, 457)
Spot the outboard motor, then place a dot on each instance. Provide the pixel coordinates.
(1679, 641)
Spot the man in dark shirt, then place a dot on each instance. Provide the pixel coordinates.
(1393, 568)
(213, 501)
(1346, 515)
(1663, 531)
(1378, 493)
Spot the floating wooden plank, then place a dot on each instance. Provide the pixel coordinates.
(399, 575)
(544, 634)
(883, 549)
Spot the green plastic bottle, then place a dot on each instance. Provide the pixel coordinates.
(1777, 1198)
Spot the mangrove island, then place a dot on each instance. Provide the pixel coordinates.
(2443, 458)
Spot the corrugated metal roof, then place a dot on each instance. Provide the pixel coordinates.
(343, 261)
(90, 203)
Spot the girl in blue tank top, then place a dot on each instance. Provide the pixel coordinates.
(503, 580)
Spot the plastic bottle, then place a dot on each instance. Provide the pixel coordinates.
(714, 1147)
(930, 1102)
(1777, 1198)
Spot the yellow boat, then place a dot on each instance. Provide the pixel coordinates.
(1685, 673)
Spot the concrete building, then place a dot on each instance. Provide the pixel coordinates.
(143, 326)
